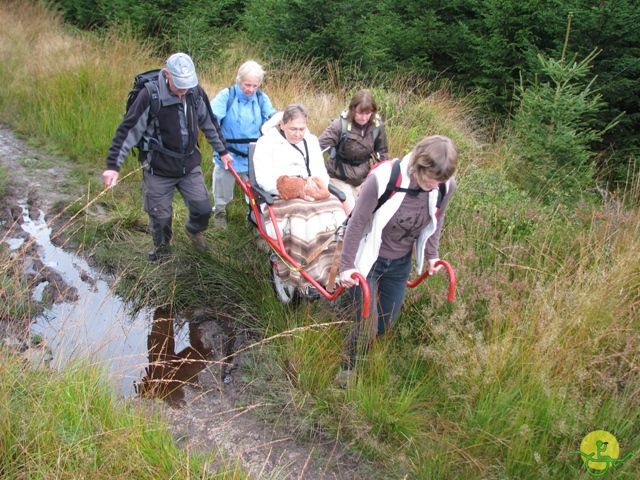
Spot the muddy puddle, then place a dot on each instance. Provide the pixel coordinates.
(151, 352)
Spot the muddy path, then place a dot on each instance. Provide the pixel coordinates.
(188, 358)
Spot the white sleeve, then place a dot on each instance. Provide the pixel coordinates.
(263, 158)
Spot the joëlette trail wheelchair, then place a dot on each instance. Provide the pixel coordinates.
(261, 211)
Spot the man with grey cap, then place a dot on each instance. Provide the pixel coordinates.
(166, 115)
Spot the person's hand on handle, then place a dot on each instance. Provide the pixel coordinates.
(110, 178)
(346, 280)
(227, 160)
(431, 266)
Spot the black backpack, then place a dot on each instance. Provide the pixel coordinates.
(149, 80)
(146, 80)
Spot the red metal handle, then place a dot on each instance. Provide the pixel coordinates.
(366, 296)
(245, 189)
(452, 279)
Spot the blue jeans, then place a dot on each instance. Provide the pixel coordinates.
(387, 282)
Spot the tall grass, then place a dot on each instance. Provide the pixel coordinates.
(4, 182)
(68, 425)
(540, 347)
(15, 303)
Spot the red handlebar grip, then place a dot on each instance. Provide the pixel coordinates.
(452, 279)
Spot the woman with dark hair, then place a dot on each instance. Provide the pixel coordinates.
(288, 163)
(380, 238)
(356, 140)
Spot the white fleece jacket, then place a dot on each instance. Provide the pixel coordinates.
(274, 156)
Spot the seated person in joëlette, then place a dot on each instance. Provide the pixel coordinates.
(288, 163)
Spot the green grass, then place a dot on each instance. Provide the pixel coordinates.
(538, 349)
(68, 425)
(4, 182)
(16, 305)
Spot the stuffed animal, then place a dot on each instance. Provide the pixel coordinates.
(310, 189)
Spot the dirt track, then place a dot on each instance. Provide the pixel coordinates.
(208, 417)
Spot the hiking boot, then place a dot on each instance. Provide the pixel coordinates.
(159, 252)
(198, 241)
(220, 220)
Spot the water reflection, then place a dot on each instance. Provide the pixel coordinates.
(149, 352)
(169, 370)
(86, 320)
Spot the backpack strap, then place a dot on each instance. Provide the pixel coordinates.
(150, 143)
(375, 132)
(395, 179)
(393, 186)
(260, 99)
(230, 99)
(442, 191)
(244, 141)
(154, 96)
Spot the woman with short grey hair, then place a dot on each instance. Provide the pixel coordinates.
(250, 68)
(241, 109)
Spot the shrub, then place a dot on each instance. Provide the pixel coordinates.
(553, 130)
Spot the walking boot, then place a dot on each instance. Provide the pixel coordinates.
(159, 252)
(220, 220)
(198, 241)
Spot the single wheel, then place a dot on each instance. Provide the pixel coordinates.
(284, 293)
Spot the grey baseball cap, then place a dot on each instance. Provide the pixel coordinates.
(182, 70)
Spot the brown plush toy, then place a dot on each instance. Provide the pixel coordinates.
(290, 187)
(310, 189)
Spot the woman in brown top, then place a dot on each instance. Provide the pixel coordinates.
(355, 140)
(381, 237)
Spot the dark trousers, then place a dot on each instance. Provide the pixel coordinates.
(158, 192)
(387, 282)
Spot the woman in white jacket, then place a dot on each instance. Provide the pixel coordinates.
(288, 163)
(380, 239)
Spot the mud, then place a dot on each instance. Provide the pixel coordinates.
(186, 359)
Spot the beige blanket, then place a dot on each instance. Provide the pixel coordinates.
(305, 227)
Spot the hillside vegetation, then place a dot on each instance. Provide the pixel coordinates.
(488, 47)
(542, 344)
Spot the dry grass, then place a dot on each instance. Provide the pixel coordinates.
(543, 335)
